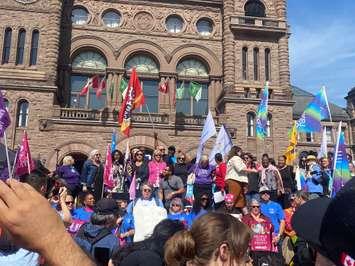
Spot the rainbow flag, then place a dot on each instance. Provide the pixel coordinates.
(316, 110)
(341, 173)
(261, 115)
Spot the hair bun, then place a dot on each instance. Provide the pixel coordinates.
(180, 248)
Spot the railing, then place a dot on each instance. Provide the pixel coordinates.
(257, 21)
(153, 118)
(79, 114)
(191, 120)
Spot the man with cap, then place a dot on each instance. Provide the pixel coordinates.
(261, 244)
(313, 178)
(329, 226)
(229, 207)
(96, 237)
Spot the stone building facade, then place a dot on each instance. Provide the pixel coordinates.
(50, 48)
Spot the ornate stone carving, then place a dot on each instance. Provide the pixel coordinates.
(144, 21)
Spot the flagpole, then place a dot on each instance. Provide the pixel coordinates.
(326, 101)
(7, 156)
(336, 154)
(15, 161)
(150, 117)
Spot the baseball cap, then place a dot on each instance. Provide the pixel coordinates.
(229, 198)
(106, 206)
(329, 224)
(311, 157)
(264, 189)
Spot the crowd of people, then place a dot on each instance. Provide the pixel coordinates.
(164, 209)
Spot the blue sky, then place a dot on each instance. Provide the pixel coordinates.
(322, 46)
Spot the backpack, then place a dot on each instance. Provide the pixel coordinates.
(91, 241)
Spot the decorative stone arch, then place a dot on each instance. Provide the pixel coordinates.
(268, 6)
(65, 149)
(140, 140)
(80, 43)
(195, 50)
(142, 46)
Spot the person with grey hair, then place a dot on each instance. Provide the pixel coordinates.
(71, 176)
(92, 174)
(96, 238)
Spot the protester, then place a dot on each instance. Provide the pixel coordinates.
(65, 210)
(330, 225)
(220, 174)
(171, 186)
(33, 225)
(176, 212)
(71, 176)
(271, 178)
(229, 207)
(327, 175)
(301, 171)
(118, 172)
(214, 239)
(147, 212)
(290, 237)
(149, 252)
(313, 178)
(125, 229)
(96, 237)
(200, 206)
(181, 167)
(253, 177)
(84, 213)
(92, 174)
(236, 177)
(156, 168)
(204, 173)
(262, 242)
(288, 180)
(171, 159)
(140, 169)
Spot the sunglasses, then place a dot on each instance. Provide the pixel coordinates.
(97, 154)
(175, 205)
(69, 202)
(204, 198)
(139, 154)
(147, 190)
(157, 155)
(181, 158)
(256, 207)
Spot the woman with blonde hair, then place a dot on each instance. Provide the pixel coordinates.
(214, 239)
(72, 177)
(156, 167)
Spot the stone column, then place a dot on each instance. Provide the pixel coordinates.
(281, 7)
(284, 65)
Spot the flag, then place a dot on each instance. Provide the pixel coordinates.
(223, 144)
(341, 172)
(133, 99)
(316, 110)
(323, 152)
(123, 87)
(113, 140)
(112, 89)
(93, 83)
(24, 162)
(4, 116)
(180, 91)
(261, 114)
(127, 153)
(209, 130)
(291, 149)
(108, 177)
(195, 90)
(132, 188)
(101, 87)
(164, 86)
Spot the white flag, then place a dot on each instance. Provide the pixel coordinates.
(209, 130)
(223, 144)
(323, 152)
(126, 156)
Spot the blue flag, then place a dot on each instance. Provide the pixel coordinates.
(316, 110)
(261, 114)
(113, 140)
(223, 144)
(4, 116)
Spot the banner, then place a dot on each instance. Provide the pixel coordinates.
(261, 114)
(4, 116)
(24, 162)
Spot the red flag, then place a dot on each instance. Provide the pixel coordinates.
(134, 98)
(24, 162)
(108, 178)
(92, 82)
(85, 89)
(101, 87)
(164, 86)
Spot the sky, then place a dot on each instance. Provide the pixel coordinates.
(322, 46)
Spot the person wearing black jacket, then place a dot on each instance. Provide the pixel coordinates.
(288, 180)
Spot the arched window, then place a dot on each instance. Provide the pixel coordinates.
(204, 26)
(268, 125)
(245, 63)
(111, 19)
(20, 46)
(148, 71)
(22, 113)
(267, 64)
(86, 65)
(256, 63)
(174, 24)
(251, 124)
(193, 86)
(7, 46)
(34, 48)
(254, 8)
(79, 16)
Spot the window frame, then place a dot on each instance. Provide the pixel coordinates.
(87, 17)
(207, 20)
(20, 49)
(21, 118)
(34, 48)
(267, 64)
(251, 125)
(6, 50)
(309, 136)
(119, 22)
(172, 16)
(256, 59)
(245, 63)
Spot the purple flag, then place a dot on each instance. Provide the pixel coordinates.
(4, 116)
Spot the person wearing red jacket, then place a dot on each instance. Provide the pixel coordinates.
(220, 174)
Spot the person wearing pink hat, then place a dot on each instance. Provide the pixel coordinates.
(229, 206)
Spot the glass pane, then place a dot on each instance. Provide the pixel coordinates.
(204, 27)
(90, 60)
(79, 16)
(143, 64)
(112, 19)
(174, 24)
(192, 67)
(34, 48)
(7, 46)
(77, 101)
(150, 90)
(201, 107)
(97, 102)
(20, 47)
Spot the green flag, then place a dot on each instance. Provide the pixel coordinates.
(195, 90)
(180, 91)
(123, 87)
(112, 89)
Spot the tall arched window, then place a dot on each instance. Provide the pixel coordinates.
(34, 48)
(148, 73)
(245, 63)
(192, 76)
(20, 46)
(87, 65)
(256, 63)
(7, 46)
(251, 124)
(267, 64)
(268, 125)
(22, 113)
(254, 8)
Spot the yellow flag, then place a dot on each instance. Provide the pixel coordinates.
(291, 149)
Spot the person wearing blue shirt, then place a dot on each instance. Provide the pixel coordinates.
(313, 178)
(176, 212)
